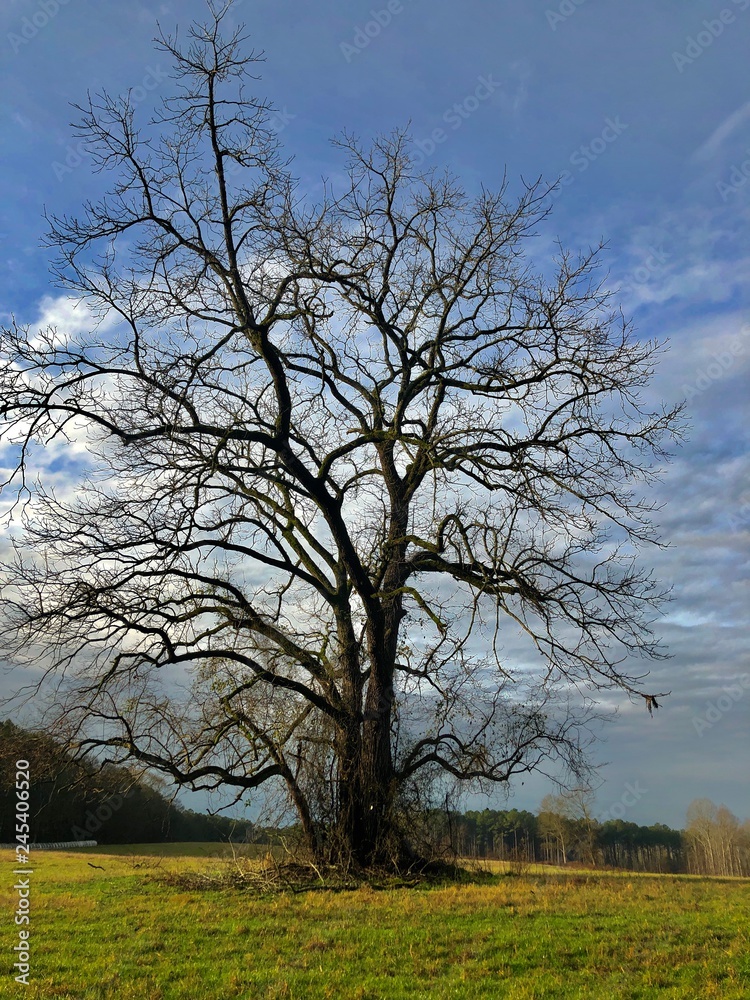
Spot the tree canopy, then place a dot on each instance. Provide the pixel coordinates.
(339, 446)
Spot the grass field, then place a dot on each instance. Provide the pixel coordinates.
(122, 934)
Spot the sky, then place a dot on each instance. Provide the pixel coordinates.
(641, 109)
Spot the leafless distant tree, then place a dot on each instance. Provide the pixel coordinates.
(716, 842)
(556, 827)
(338, 451)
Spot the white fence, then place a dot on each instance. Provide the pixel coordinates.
(62, 845)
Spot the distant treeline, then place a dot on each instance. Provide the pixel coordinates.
(73, 801)
(112, 805)
(519, 835)
(565, 831)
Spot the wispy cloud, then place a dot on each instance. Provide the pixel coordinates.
(718, 137)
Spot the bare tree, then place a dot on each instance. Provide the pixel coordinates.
(580, 801)
(339, 449)
(716, 842)
(557, 825)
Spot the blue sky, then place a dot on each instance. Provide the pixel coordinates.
(642, 108)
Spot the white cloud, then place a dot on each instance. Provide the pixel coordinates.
(718, 137)
(68, 317)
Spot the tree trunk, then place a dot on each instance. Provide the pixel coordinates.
(363, 834)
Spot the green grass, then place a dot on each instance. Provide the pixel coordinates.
(121, 934)
(198, 849)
